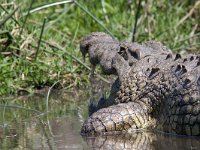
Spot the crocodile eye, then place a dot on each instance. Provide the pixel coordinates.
(122, 52)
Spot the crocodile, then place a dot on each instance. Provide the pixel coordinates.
(155, 89)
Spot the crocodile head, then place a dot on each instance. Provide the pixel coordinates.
(112, 56)
(93, 38)
(115, 57)
(101, 49)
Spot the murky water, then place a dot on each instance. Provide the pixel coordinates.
(29, 123)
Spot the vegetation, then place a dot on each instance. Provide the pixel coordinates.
(39, 40)
(39, 47)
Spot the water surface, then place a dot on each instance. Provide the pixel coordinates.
(27, 122)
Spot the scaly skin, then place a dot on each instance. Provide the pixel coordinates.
(156, 89)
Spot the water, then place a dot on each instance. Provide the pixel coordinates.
(143, 141)
(22, 128)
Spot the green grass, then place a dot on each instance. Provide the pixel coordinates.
(35, 53)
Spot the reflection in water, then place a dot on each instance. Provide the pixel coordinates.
(36, 135)
(66, 133)
(143, 141)
(26, 129)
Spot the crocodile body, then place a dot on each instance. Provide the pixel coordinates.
(155, 89)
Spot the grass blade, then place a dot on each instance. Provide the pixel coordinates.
(11, 16)
(26, 17)
(38, 47)
(93, 17)
(19, 107)
(2, 22)
(136, 20)
(47, 106)
(50, 5)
